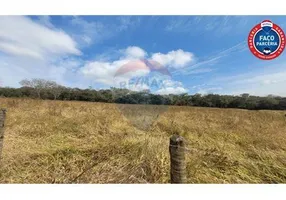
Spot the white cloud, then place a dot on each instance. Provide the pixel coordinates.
(86, 39)
(14, 69)
(100, 72)
(171, 87)
(46, 21)
(211, 60)
(105, 72)
(122, 71)
(30, 49)
(266, 78)
(174, 59)
(127, 22)
(20, 36)
(172, 83)
(263, 84)
(135, 52)
(261, 81)
(19, 50)
(269, 82)
(172, 90)
(209, 90)
(88, 32)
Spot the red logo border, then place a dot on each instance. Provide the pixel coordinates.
(257, 53)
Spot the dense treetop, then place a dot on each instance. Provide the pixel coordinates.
(43, 89)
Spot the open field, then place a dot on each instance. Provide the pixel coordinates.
(83, 142)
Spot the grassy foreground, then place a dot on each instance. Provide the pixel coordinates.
(82, 142)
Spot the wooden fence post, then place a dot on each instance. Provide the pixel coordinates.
(178, 163)
(2, 120)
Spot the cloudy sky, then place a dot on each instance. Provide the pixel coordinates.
(204, 54)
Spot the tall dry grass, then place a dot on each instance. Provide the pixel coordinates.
(82, 142)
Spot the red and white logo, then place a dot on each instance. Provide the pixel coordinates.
(266, 40)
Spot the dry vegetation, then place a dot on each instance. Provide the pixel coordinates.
(80, 142)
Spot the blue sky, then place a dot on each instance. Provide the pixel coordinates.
(204, 54)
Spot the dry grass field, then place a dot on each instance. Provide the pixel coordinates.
(84, 142)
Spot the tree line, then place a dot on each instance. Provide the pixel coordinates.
(45, 89)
